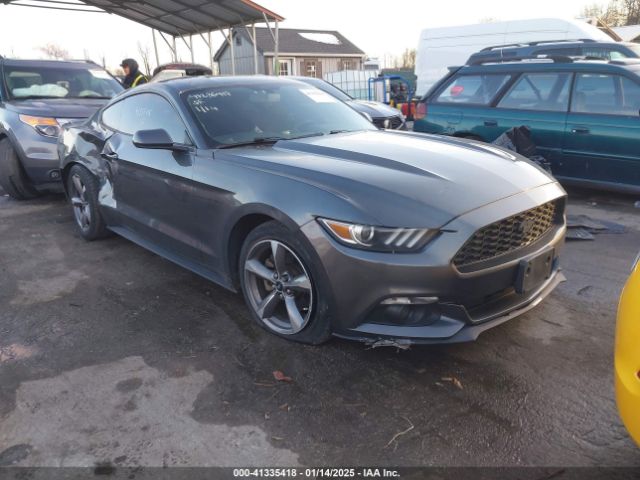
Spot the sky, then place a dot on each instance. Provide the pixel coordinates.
(380, 28)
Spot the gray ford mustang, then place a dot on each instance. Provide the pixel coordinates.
(327, 225)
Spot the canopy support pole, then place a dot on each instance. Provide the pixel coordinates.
(155, 47)
(233, 53)
(255, 49)
(252, 36)
(175, 50)
(193, 58)
(276, 56)
(172, 48)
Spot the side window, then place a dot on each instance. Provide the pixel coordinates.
(473, 89)
(146, 111)
(597, 93)
(112, 115)
(630, 97)
(539, 91)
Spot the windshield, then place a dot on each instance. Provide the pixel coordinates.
(59, 82)
(329, 88)
(239, 114)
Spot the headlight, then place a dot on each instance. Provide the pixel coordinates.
(635, 263)
(49, 127)
(381, 239)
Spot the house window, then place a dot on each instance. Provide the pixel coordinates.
(311, 70)
(347, 65)
(285, 68)
(238, 40)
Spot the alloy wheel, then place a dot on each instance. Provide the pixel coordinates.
(278, 286)
(81, 208)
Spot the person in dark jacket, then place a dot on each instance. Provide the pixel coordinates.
(133, 76)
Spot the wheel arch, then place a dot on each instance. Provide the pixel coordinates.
(247, 219)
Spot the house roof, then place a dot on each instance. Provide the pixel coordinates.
(628, 33)
(299, 41)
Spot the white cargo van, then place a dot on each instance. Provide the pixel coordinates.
(440, 48)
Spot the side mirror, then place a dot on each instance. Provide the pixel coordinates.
(157, 139)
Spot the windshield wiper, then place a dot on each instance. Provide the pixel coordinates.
(265, 140)
(255, 141)
(101, 97)
(35, 97)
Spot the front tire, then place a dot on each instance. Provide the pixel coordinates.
(282, 285)
(13, 179)
(82, 187)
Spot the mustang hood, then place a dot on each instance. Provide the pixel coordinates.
(393, 177)
(57, 107)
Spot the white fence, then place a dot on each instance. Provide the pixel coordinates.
(354, 82)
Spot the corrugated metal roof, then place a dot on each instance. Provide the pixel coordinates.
(184, 17)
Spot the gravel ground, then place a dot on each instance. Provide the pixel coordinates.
(110, 354)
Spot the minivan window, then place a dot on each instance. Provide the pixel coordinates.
(539, 91)
(473, 89)
(146, 111)
(605, 94)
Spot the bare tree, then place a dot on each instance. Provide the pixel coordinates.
(409, 58)
(631, 9)
(145, 55)
(51, 50)
(616, 13)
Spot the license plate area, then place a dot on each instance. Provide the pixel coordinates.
(534, 272)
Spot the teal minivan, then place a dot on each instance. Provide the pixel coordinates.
(584, 115)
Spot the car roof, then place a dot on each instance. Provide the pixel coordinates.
(177, 86)
(19, 62)
(532, 65)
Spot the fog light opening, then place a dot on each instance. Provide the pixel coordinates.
(409, 301)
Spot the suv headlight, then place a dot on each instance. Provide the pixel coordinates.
(635, 263)
(49, 127)
(380, 239)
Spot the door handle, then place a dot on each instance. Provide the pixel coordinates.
(580, 130)
(490, 123)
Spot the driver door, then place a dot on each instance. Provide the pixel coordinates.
(151, 187)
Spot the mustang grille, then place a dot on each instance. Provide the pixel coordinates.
(507, 235)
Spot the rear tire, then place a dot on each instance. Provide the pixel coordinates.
(283, 286)
(13, 178)
(83, 195)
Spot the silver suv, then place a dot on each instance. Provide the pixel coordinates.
(37, 97)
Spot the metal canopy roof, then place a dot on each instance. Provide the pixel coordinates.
(178, 17)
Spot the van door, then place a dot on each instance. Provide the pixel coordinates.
(602, 136)
(539, 100)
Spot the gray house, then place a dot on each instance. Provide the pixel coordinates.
(309, 53)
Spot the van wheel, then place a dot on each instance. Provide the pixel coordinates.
(13, 179)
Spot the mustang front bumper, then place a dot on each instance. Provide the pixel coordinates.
(450, 306)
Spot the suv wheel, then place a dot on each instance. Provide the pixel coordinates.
(280, 285)
(13, 179)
